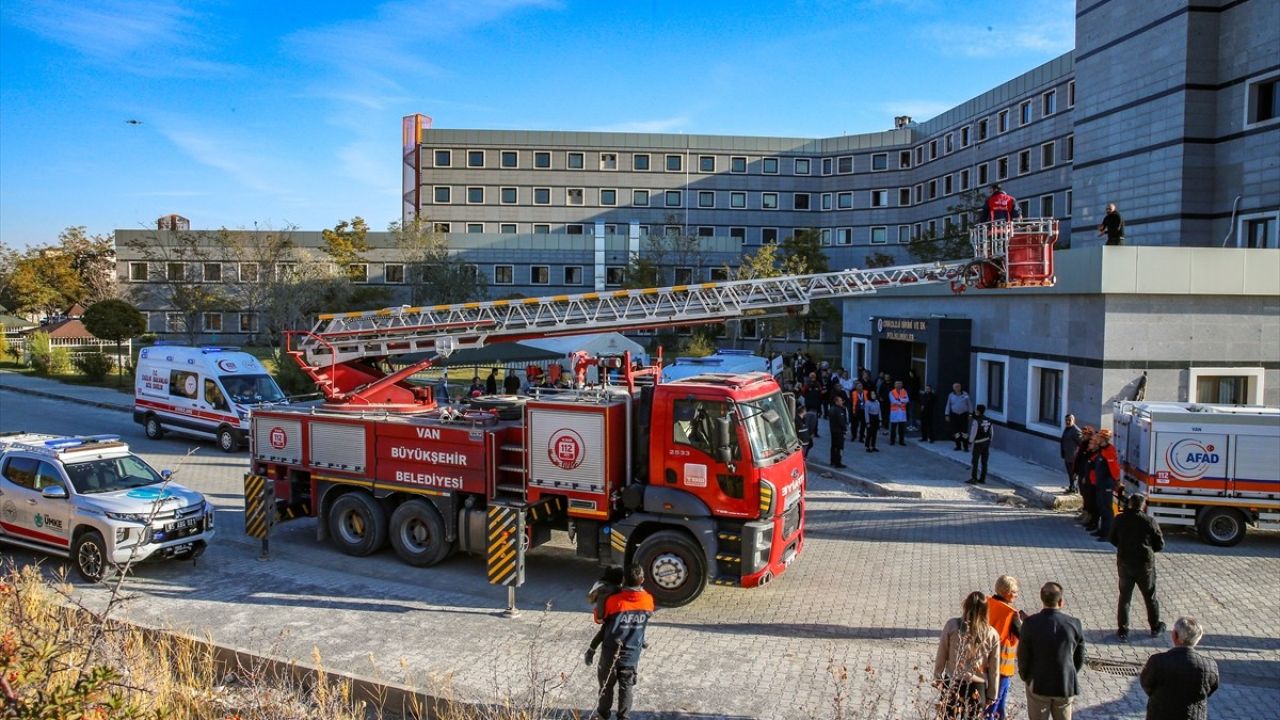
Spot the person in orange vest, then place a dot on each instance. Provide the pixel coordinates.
(898, 399)
(1007, 621)
(627, 614)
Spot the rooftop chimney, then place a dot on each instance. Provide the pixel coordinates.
(902, 121)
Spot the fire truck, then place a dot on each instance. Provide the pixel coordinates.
(700, 480)
(1212, 467)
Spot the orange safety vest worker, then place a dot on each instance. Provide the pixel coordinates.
(1001, 615)
(897, 400)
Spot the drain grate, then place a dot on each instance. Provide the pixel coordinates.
(1111, 667)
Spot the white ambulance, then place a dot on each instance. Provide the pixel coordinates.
(1212, 467)
(201, 391)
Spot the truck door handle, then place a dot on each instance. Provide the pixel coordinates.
(670, 476)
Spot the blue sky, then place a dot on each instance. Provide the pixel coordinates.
(289, 113)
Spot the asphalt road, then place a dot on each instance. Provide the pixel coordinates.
(878, 579)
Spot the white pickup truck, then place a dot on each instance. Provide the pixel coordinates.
(91, 500)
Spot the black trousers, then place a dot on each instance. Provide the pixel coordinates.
(1104, 507)
(981, 453)
(1071, 475)
(926, 427)
(837, 449)
(873, 429)
(1145, 580)
(960, 430)
(858, 427)
(898, 431)
(610, 676)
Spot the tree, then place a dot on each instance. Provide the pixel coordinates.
(114, 320)
(433, 274)
(347, 242)
(953, 243)
(266, 271)
(176, 269)
(45, 281)
(663, 256)
(93, 258)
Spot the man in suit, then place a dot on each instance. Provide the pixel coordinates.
(1178, 682)
(1050, 653)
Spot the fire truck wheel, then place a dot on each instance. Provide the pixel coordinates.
(358, 524)
(417, 534)
(153, 428)
(674, 569)
(228, 439)
(1223, 527)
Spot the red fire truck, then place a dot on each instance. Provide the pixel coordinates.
(699, 480)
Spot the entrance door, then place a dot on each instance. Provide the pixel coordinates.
(895, 358)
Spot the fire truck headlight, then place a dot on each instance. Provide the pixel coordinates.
(767, 494)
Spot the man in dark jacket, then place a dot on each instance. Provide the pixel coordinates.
(1137, 539)
(1070, 444)
(1179, 682)
(813, 394)
(1112, 226)
(839, 419)
(928, 413)
(627, 614)
(1050, 653)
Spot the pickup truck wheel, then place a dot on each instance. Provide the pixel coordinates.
(153, 428)
(417, 534)
(1224, 527)
(357, 524)
(675, 571)
(228, 439)
(89, 554)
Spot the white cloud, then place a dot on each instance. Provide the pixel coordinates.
(250, 164)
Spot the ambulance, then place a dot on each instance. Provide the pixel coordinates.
(1212, 467)
(200, 391)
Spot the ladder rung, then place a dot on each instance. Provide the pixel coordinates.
(512, 448)
(517, 469)
(507, 487)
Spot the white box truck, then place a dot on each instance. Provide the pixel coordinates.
(1212, 467)
(200, 391)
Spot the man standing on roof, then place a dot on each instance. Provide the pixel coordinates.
(1000, 206)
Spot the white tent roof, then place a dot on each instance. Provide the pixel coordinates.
(598, 344)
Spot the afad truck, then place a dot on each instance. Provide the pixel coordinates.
(1212, 467)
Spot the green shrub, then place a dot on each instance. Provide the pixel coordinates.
(290, 377)
(94, 365)
(46, 359)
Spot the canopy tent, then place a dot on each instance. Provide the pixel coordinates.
(503, 353)
(598, 344)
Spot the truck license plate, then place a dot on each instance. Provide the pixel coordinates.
(181, 525)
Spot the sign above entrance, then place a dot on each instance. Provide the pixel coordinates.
(903, 329)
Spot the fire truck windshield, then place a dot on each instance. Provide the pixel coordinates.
(769, 430)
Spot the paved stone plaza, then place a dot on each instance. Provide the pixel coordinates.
(879, 577)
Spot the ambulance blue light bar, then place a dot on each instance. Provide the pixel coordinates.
(217, 348)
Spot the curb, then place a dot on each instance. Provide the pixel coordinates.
(1033, 495)
(67, 398)
(870, 486)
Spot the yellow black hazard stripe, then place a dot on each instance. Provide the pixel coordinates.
(546, 509)
(504, 545)
(255, 506)
(618, 541)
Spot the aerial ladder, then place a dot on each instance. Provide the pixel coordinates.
(345, 353)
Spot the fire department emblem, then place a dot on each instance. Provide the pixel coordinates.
(277, 438)
(566, 449)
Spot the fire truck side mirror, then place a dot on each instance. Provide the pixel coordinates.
(724, 439)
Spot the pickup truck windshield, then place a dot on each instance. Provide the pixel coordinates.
(252, 389)
(770, 430)
(122, 473)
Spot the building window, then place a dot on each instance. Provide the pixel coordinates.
(610, 229)
(614, 276)
(675, 163)
(947, 188)
(824, 237)
(640, 198)
(983, 175)
(175, 272)
(983, 129)
(919, 193)
(443, 195)
(212, 321)
(358, 272)
(573, 275)
(717, 274)
(684, 276)
(1068, 208)
(1002, 168)
(964, 136)
(844, 200)
(904, 234)
(844, 165)
(737, 200)
(248, 322)
(575, 196)
(801, 166)
(1047, 155)
(904, 197)
(1262, 102)
(1024, 113)
(138, 272)
(879, 161)
(1258, 230)
(706, 231)
(575, 160)
(475, 158)
(826, 201)
(737, 164)
(542, 196)
(609, 161)
(904, 159)
(993, 384)
(800, 201)
(212, 272)
(475, 196)
(1049, 103)
(879, 235)
(879, 198)
(540, 275)
(504, 275)
(844, 236)
(1071, 93)
(949, 143)
(673, 198)
(1024, 207)
(933, 227)
(541, 229)
(608, 196)
(248, 272)
(475, 228)
(175, 322)
(508, 196)
(444, 158)
(1046, 395)
(507, 228)
(933, 149)
(769, 166)
(1046, 206)
(542, 160)
(1002, 121)
(509, 159)
(933, 189)
(768, 236)
(706, 198)
(769, 201)
(640, 162)
(964, 180)
(919, 154)
(573, 229)
(707, 163)
(1226, 385)
(826, 166)
(1024, 162)
(393, 274)
(738, 233)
